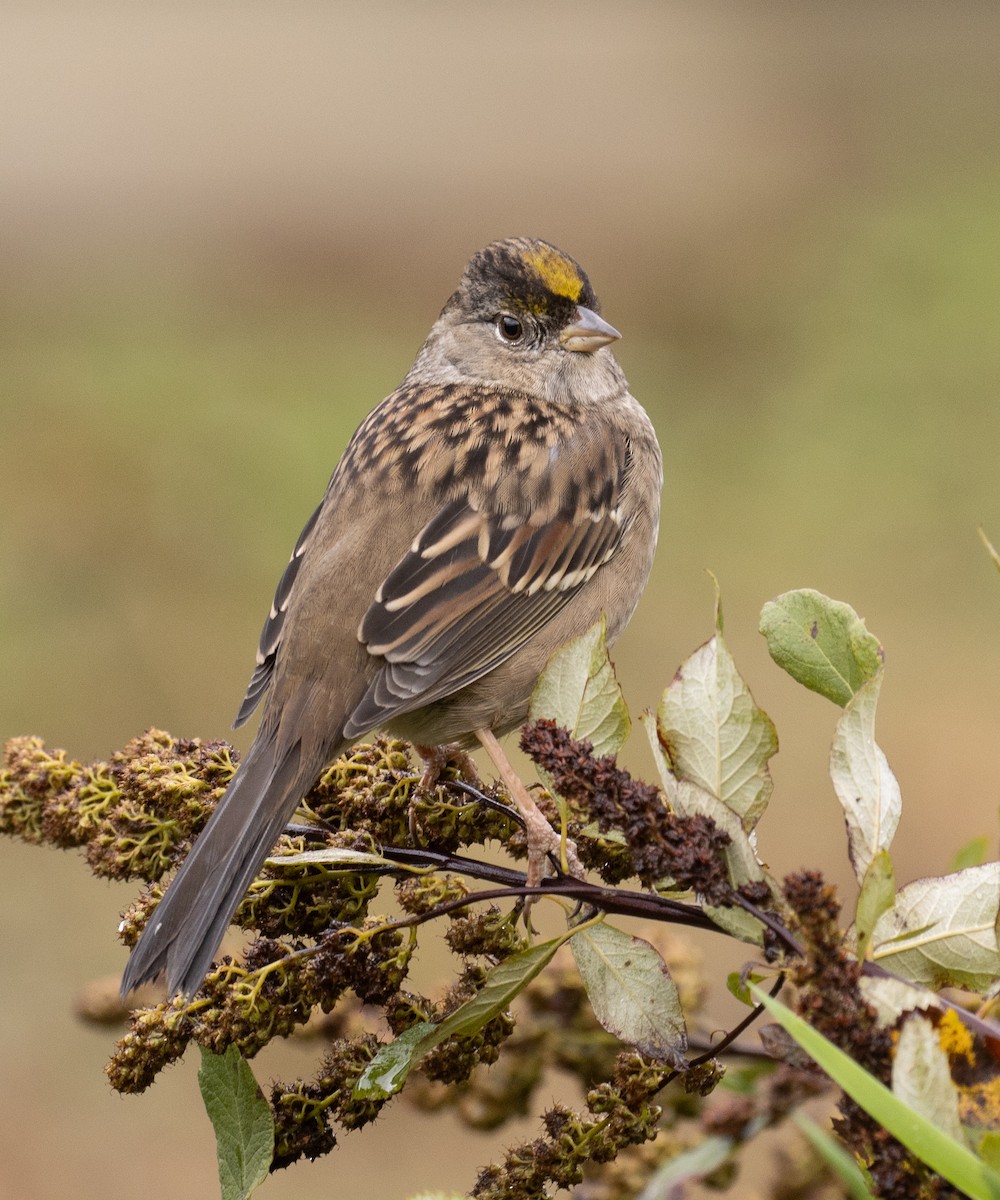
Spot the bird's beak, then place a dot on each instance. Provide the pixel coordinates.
(587, 332)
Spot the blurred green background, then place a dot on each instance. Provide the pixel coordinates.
(226, 230)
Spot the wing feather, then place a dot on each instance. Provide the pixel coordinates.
(471, 590)
(270, 636)
(510, 544)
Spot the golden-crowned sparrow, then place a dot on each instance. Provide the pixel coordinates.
(492, 508)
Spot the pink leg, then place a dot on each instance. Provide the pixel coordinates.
(542, 838)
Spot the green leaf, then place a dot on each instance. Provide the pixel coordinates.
(386, 1073)
(821, 643)
(631, 991)
(942, 1154)
(878, 891)
(739, 987)
(505, 981)
(942, 931)
(989, 1149)
(842, 1164)
(921, 1077)
(863, 780)
(242, 1120)
(972, 854)
(579, 691)
(715, 735)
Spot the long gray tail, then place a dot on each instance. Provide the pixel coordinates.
(186, 928)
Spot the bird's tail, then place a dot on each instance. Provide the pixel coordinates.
(187, 925)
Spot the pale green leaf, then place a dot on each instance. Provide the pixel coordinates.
(864, 782)
(878, 891)
(387, 1072)
(950, 1159)
(631, 992)
(688, 1167)
(821, 643)
(242, 1120)
(738, 923)
(334, 858)
(891, 997)
(687, 799)
(941, 931)
(579, 691)
(439, 1196)
(737, 986)
(843, 1165)
(921, 1077)
(715, 735)
(741, 860)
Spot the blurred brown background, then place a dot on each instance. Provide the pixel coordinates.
(225, 231)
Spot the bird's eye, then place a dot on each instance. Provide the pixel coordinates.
(509, 328)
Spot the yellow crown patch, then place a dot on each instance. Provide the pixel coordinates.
(559, 274)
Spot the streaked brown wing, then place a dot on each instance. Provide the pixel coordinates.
(270, 636)
(538, 515)
(472, 589)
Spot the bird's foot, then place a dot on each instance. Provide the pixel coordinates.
(436, 761)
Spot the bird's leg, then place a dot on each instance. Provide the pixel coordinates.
(542, 838)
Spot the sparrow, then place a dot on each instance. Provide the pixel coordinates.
(496, 505)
